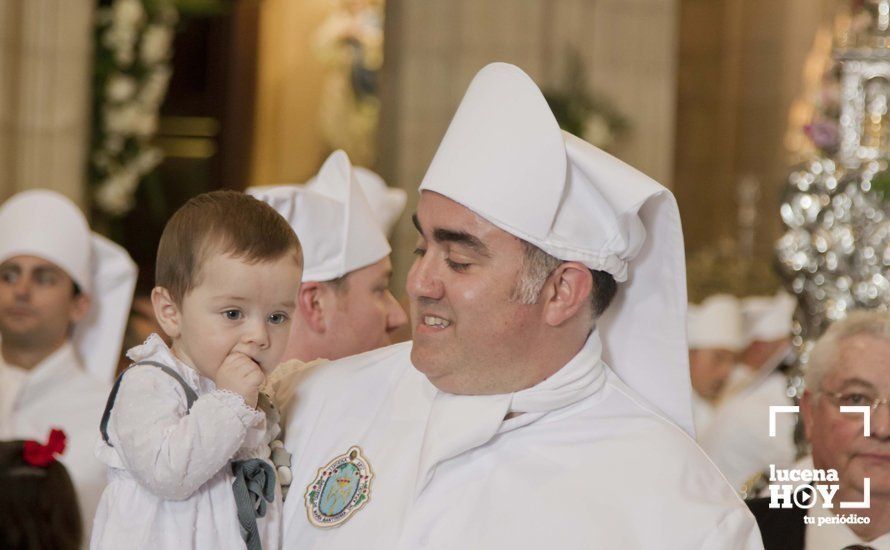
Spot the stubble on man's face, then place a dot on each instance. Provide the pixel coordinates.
(470, 335)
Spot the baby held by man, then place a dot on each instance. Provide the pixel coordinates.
(191, 442)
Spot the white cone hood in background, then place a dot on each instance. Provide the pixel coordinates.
(716, 323)
(505, 158)
(45, 224)
(387, 203)
(769, 318)
(336, 227)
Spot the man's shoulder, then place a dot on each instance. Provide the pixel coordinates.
(364, 362)
(362, 372)
(781, 528)
(620, 428)
(627, 416)
(618, 423)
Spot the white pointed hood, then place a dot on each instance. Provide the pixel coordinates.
(769, 318)
(336, 227)
(716, 323)
(505, 158)
(387, 203)
(45, 224)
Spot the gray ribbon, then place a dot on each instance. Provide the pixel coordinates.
(253, 487)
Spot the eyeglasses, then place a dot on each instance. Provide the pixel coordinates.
(856, 399)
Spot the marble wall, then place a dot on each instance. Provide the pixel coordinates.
(740, 68)
(45, 78)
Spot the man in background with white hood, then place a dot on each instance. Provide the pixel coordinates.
(715, 337)
(344, 306)
(65, 294)
(738, 439)
(529, 411)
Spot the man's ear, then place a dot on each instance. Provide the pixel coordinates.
(310, 307)
(566, 293)
(166, 312)
(80, 307)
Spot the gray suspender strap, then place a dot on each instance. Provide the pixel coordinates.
(190, 395)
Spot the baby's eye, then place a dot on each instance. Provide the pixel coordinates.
(277, 318)
(232, 314)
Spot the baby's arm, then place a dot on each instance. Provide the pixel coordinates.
(169, 450)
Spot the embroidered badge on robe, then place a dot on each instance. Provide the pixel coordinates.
(339, 489)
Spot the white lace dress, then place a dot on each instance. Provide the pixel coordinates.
(170, 478)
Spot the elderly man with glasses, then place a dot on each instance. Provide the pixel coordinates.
(848, 367)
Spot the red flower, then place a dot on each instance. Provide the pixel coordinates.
(36, 454)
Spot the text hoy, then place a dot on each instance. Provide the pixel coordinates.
(803, 495)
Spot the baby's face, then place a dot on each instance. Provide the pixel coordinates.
(238, 307)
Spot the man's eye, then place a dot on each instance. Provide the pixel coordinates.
(419, 251)
(232, 314)
(277, 318)
(46, 279)
(456, 265)
(9, 276)
(854, 399)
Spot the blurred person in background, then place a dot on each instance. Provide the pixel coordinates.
(344, 306)
(849, 366)
(738, 439)
(715, 337)
(65, 295)
(38, 504)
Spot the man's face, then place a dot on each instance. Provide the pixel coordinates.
(709, 369)
(470, 337)
(760, 352)
(237, 307)
(37, 303)
(862, 372)
(364, 312)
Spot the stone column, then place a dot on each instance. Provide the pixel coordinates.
(45, 85)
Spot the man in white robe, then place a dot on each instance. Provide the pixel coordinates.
(849, 366)
(527, 412)
(738, 439)
(64, 298)
(715, 336)
(344, 305)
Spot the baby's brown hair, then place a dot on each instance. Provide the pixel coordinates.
(220, 222)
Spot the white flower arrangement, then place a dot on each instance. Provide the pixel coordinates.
(132, 74)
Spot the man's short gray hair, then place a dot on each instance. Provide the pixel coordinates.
(824, 355)
(538, 265)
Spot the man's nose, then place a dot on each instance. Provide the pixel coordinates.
(22, 287)
(880, 421)
(395, 317)
(424, 280)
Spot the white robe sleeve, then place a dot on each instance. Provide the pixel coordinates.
(172, 451)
